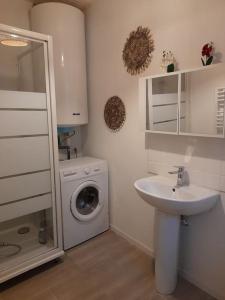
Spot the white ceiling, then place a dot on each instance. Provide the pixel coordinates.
(78, 3)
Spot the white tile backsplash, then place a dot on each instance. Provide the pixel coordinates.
(204, 159)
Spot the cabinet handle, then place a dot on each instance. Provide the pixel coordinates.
(76, 114)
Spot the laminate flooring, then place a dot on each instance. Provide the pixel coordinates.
(104, 268)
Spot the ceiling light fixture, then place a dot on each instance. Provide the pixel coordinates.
(13, 41)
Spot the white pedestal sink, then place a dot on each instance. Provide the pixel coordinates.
(170, 203)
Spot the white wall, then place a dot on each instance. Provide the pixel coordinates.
(183, 27)
(15, 13)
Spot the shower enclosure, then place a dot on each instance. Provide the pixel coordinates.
(30, 210)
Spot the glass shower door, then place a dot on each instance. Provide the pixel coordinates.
(27, 181)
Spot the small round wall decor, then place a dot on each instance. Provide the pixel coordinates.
(114, 113)
(137, 52)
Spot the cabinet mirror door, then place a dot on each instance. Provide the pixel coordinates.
(162, 104)
(202, 102)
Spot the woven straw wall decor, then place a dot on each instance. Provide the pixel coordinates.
(137, 52)
(114, 113)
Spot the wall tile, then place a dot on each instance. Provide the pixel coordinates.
(203, 159)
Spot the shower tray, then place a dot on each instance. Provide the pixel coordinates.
(28, 242)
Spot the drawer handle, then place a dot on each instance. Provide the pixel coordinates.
(76, 114)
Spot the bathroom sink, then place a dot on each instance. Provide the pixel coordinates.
(171, 202)
(161, 193)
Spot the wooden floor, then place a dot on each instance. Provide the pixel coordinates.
(104, 268)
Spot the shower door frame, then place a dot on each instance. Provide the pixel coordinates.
(57, 251)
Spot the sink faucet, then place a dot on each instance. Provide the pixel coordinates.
(180, 175)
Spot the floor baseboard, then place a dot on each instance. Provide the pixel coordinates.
(133, 241)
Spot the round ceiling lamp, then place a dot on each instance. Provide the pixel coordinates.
(13, 41)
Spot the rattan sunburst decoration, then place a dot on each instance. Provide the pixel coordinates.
(114, 113)
(137, 52)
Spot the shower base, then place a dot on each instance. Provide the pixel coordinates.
(30, 246)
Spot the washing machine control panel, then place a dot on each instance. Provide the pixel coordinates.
(87, 171)
(69, 173)
(81, 172)
(92, 170)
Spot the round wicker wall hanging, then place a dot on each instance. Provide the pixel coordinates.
(137, 52)
(114, 113)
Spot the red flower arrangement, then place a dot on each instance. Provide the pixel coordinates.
(207, 54)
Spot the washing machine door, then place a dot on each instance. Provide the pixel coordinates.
(86, 202)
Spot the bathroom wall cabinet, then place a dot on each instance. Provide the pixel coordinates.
(30, 210)
(189, 102)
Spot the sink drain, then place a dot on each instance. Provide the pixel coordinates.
(23, 230)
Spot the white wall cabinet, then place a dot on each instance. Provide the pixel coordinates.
(189, 102)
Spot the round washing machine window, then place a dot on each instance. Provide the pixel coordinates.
(86, 202)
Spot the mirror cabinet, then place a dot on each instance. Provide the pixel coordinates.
(187, 102)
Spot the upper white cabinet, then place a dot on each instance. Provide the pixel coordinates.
(185, 102)
(66, 24)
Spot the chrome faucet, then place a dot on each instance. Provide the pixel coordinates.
(180, 175)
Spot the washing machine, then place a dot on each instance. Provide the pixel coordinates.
(84, 193)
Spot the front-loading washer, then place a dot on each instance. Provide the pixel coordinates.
(84, 193)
